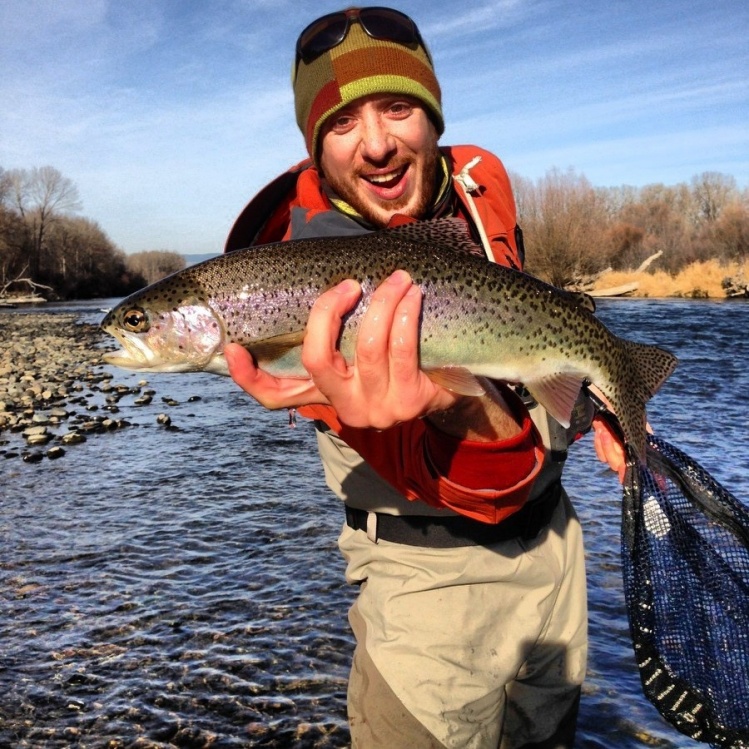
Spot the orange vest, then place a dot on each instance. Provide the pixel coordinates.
(267, 217)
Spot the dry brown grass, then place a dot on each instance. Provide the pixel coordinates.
(696, 281)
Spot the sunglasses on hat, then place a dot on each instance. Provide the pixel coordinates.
(329, 31)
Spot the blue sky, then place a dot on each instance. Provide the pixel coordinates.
(168, 115)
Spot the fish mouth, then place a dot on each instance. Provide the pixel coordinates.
(134, 354)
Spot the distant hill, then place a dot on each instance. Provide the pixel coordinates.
(194, 259)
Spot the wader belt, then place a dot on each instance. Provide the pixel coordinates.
(453, 531)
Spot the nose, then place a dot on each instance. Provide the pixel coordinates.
(378, 143)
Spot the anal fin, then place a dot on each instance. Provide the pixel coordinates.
(557, 394)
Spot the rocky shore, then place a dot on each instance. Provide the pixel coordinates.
(54, 390)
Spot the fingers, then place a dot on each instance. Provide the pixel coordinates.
(380, 385)
(320, 355)
(241, 365)
(387, 345)
(608, 448)
(383, 385)
(403, 346)
(271, 392)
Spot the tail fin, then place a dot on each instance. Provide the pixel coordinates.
(649, 367)
(653, 365)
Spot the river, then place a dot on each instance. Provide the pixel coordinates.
(182, 587)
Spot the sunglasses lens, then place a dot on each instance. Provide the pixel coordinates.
(383, 23)
(322, 35)
(329, 31)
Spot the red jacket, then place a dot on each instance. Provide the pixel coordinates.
(487, 481)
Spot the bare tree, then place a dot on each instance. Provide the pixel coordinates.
(12, 233)
(624, 244)
(662, 214)
(154, 265)
(563, 219)
(40, 196)
(728, 235)
(712, 192)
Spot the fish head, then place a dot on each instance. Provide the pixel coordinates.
(186, 336)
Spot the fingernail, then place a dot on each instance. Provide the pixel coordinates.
(347, 286)
(399, 277)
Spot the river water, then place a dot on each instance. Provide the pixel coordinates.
(182, 587)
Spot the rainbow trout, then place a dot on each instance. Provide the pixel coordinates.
(478, 319)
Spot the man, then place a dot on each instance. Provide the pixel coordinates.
(471, 621)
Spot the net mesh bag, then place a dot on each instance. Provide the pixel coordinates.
(685, 558)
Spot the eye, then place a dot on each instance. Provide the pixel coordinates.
(135, 320)
(400, 109)
(342, 123)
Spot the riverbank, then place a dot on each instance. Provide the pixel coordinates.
(52, 385)
(704, 280)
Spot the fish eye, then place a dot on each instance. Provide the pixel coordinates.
(135, 320)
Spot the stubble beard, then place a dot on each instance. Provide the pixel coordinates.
(378, 212)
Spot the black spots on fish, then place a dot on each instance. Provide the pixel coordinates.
(161, 320)
(450, 233)
(482, 332)
(653, 365)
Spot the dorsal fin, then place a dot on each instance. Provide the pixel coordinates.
(447, 232)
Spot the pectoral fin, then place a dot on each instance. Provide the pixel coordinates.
(456, 379)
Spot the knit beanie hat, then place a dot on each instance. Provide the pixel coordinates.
(360, 66)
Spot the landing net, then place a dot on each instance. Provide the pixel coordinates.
(685, 553)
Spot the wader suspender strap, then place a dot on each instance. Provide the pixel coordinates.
(256, 213)
(468, 185)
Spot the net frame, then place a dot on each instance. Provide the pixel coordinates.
(685, 563)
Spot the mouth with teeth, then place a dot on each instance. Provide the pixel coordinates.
(390, 184)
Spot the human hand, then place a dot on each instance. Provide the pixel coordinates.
(271, 392)
(609, 448)
(383, 386)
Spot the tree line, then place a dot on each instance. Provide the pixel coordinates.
(572, 231)
(45, 247)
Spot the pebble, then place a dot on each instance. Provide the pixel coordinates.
(49, 365)
(54, 387)
(73, 438)
(39, 439)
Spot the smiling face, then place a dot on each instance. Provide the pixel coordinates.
(380, 155)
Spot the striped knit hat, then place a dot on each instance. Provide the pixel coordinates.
(360, 66)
